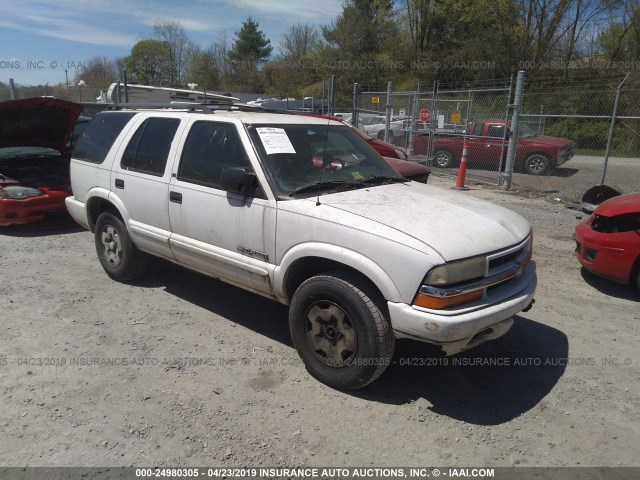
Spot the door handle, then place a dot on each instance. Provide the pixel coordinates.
(175, 197)
(119, 183)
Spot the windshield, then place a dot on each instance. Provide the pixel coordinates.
(297, 157)
(525, 131)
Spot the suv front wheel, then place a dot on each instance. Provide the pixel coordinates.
(117, 254)
(340, 331)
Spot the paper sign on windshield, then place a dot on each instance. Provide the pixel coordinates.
(275, 140)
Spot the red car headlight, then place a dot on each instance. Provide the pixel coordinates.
(17, 192)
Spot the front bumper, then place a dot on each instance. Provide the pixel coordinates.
(15, 211)
(466, 326)
(564, 156)
(597, 253)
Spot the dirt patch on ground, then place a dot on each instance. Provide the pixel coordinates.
(182, 370)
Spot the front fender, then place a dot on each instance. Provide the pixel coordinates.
(339, 254)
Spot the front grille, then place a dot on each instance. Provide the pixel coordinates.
(502, 268)
(507, 265)
(510, 257)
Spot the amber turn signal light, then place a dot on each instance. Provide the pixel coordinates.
(438, 303)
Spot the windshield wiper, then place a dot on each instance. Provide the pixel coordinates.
(337, 184)
(342, 185)
(383, 179)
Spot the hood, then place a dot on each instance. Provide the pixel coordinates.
(387, 149)
(454, 225)
(547, 140)
(408, 169)
(621, 205)
(38, 122)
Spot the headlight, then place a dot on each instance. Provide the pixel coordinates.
(464, 281)
(17, 192)
(402, 155)
(451, 274)
(456, 272)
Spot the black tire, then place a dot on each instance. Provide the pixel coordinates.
(443, 159)
(339, 329)
(117, 254)
(536, 164)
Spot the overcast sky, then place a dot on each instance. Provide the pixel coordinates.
(39, 39)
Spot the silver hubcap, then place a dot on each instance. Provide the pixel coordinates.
(536, 164)
(442, 159)
(112, 246)
(330, 334)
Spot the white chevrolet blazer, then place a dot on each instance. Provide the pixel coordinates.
(302, 210)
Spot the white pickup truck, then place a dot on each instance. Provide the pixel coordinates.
(302, 210)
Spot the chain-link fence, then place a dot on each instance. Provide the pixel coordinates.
(568, 140)
(477, 117)
(433, 126)
(585, 118)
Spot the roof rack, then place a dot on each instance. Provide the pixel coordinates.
(193, 107)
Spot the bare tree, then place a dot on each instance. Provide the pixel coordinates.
(181, 48)
(99, 72)
(420, 16)
(621, 39)
(203, 69)
(585, 13)
(220, 53)
(297, 41)
(543, 19)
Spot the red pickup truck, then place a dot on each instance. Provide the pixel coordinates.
(535, 154)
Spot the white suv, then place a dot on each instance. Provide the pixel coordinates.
(302, 210)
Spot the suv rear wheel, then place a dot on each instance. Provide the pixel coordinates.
(117, 254)
(340, 331)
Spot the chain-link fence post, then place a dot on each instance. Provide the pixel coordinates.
(506, 133)
(331, 103)
(413, 118)
(611, 128)
(513, 136)
(12, 89)
(354, 108)
(387, 120)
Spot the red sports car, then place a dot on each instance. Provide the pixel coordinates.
(35, 144)
(608, 242)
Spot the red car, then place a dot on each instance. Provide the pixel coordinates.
(608, 242)
(395, 156)
(535, 154)
(35, 144)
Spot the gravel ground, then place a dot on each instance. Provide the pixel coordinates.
(180, 370)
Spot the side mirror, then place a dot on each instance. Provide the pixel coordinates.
(239, 180)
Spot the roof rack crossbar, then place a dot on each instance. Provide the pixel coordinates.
(192, 107)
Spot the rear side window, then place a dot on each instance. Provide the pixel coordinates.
(149, 147)
(496, 131)
(97, 139)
